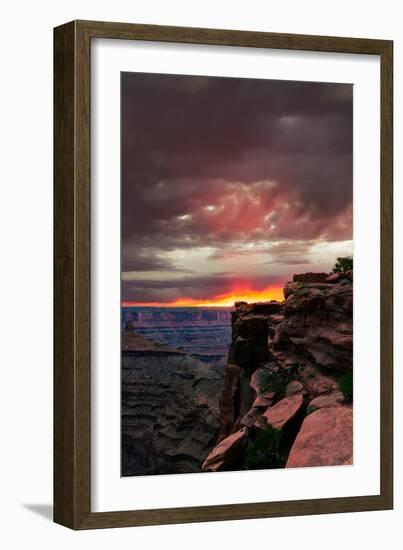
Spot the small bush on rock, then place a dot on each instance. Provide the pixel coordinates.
(310, 409)
(346, 386)
(343, 264)
(264, 451)
(275, 380)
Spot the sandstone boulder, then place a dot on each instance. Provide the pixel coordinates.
(253, 418)
(225, 454)
(334, 399)
(325, 439)
(284, 411)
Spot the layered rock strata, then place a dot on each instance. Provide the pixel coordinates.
(170, 413)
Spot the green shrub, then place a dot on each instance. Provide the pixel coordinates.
(264, 450)
(310, 409)
(343, 264)
(276, 381)
(345, 384)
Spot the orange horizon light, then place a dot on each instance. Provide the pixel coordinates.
(222, 300)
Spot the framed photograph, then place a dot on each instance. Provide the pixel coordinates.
(223, 275)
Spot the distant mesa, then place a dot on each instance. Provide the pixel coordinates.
(202, 332)
(132, 342)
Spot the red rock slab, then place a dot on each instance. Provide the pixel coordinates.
(253, 418)
(294, 387)
(264, 399)
(283, 411)
(333, 399)
(325, 439)
(224, 454)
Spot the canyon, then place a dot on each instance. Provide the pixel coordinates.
(170, 412)
(204, 333)
(279, 395)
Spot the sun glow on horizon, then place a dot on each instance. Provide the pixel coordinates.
(221, 300)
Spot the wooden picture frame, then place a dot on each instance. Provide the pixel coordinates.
(72, 269)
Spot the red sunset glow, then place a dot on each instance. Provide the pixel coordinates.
(221, 300)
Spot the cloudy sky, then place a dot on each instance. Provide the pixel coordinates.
(230, 186)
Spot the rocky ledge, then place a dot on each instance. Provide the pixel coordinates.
(287, 394)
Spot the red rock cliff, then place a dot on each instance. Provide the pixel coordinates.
(287, 393)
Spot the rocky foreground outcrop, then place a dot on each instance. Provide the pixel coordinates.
(287, 394)
(325, 439)
(170, 414)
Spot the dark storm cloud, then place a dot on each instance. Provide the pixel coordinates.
(219, 161)
(137, 259)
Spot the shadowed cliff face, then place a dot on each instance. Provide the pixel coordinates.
(288, 361)
(170, 410)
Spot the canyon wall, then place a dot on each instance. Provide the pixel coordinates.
(204, 333)
(287, 394)
(170, 413)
